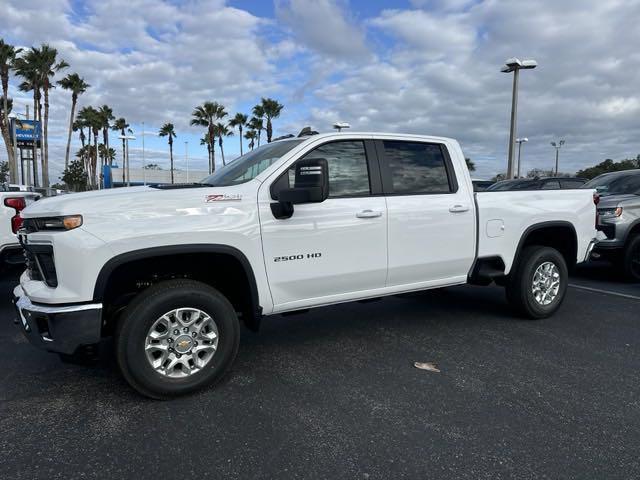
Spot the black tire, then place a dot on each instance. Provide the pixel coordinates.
(150, 305)
(630, 261)
(520, 281)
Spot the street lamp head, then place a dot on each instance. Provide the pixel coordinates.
(512, 64)
(561, 142)
(522, 140)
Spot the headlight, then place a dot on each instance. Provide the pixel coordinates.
(68, 222)
(610, 212)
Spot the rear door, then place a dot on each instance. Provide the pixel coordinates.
(431, 214)
(334, 250)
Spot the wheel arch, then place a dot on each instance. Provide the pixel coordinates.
(252, 311)
(559, 234)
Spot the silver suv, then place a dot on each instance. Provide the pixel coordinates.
(619, 220)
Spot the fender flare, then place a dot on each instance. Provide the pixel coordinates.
(145, 253)
(540, 226)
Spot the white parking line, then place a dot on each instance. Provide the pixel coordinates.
(607, 292)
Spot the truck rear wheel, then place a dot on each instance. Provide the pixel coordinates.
(630, 261)
(176, 337)
(538, 283)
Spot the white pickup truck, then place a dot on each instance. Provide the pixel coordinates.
(295, 224)
(11, 204)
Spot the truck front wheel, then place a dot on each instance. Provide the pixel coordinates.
(176, 337)
(537, 285)
(631, 259)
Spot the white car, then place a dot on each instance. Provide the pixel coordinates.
(11, 204)
(295, 224)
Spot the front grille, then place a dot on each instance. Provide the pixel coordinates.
(608, 229)
(40, 264)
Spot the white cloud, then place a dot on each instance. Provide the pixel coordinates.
(323, 26)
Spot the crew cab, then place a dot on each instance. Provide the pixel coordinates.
(299, 223)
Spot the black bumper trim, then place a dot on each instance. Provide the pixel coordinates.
(59, 329)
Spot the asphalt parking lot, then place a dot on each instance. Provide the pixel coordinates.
(334, 394)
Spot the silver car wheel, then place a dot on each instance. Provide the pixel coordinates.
(181, 342)
(546, 283)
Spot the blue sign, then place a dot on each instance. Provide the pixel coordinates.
(26, 131)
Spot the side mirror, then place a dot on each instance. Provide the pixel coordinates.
(311, 185)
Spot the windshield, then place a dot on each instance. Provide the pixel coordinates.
(511, 185)
(616, 184)
(250, 165)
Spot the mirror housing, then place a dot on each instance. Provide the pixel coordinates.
(311, 185)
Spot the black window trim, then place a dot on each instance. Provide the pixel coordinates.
(385, 171)
(373, 169)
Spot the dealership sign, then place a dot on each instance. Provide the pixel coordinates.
(26, 131)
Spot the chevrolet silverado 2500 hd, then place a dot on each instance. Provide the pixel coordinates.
(295, 224)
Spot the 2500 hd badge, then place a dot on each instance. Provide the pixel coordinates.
(300, 256)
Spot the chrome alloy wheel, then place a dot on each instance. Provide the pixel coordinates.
(181, 342)
(546, 283)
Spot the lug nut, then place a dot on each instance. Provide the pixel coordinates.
(170, 340)
(194, 334)
(195, 344)
(178, 355)
(185, 329)
(176, 332)
(171, 349)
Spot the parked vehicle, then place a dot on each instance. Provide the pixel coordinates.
(548, 183)
(292, 225)
(481, 185)
(11, 204)
(619, 220)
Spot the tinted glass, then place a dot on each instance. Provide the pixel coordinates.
(572, 183)
(416, 167)
(513, 185)
(348, 170)
(248, 166)
(551, 185)
(613, 184)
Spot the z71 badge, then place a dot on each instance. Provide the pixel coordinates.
(222, 197)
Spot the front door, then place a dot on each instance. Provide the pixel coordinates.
(329, 251)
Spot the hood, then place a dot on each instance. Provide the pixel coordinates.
(612, 201)
(116, 204)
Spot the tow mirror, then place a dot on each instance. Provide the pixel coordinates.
(311, 185)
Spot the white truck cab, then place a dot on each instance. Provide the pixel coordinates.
(294, 224)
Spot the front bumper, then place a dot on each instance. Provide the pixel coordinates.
(59, 329)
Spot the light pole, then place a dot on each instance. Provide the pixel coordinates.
(186, 157)
(520, 141)
(557, 146)
(515, 65)
(144, 172)
(126, 139)
(340, 125)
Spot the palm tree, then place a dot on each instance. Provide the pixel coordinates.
(205, 141)
(94, 123)
(240, 120)
(168, 131)
(205, 115)
(25, 66)
(48, 66)
(8, 55)
(109, 154)
(122, 125)
(270, 109)
(106, 115)
(257, 126)
(222, 130)
(251, 135)
(76, 84)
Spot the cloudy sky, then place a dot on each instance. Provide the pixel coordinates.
(417, 66)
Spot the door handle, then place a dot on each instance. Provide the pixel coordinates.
(368, 214)
(458, 209)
